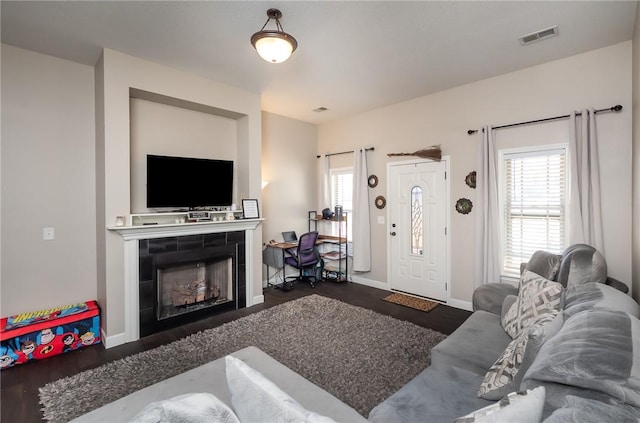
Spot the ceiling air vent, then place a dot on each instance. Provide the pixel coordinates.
(538, 35)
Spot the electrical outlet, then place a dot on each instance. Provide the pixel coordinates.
(48, 234)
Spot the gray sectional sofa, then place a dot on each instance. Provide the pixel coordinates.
(585, 358)
(580, 344)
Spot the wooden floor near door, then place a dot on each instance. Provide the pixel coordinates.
(19, 394)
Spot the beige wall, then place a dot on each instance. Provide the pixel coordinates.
(289, 166)
(168, 130)
(48, 180)
(41, 92)
(636, 157)
(599, 78)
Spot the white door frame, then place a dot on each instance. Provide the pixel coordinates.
(446, 161)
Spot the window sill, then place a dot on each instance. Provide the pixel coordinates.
(515, 281)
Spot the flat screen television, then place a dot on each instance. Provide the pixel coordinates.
(185, 182)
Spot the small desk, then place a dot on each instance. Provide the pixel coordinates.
(274, 254)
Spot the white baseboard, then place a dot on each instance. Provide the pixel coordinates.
(120, 338)
(258, 299)
(464, 305)
(370, 282)
(113, 340)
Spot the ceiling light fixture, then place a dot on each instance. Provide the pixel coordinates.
(274, 46)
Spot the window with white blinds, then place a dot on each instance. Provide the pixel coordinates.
(534, 193)
(342, 194)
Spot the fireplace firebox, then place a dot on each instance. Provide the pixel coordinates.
(183, 279)
(183, 288)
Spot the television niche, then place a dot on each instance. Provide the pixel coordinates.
(191, 183)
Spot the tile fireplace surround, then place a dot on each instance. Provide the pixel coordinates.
(132, 235)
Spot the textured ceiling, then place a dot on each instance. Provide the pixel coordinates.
(352, 56)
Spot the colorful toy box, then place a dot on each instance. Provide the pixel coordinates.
(45, 333)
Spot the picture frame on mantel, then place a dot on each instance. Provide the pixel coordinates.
(250, 208)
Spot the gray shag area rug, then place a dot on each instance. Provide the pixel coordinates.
(359, 356)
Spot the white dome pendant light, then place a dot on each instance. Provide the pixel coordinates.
(274, 46)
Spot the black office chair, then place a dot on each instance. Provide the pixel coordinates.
(305, 257)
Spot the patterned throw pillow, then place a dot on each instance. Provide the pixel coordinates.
(537, 297)
(506, 374)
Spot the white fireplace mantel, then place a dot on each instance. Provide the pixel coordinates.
(182, 229)
(131, 236)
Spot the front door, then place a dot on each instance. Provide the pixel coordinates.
(418, 213)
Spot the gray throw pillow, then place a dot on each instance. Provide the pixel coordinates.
(506, 374)
(537, 296)
(595, 295)
(583, 410)
(592, 356)
(544, 264)
(580, 264)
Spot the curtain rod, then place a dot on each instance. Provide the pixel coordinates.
(344, 152)
(615, 108)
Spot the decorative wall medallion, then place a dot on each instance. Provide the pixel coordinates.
(380, 202)
(372, 181)
(470, 180)
(464, 206)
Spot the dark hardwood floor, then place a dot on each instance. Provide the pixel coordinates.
(19, 401)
